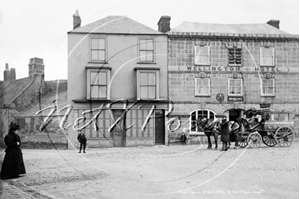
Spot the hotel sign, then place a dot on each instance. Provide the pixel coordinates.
(267, 69)
(235, 98)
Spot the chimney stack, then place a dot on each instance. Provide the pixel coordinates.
(76, 20)
(36, 67)
(274, 23)
(6, 73)
(164, 24)
(9, 74)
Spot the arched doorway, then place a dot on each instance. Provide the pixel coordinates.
(233, 114)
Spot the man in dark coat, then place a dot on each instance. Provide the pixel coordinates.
(13, 164)
(82, 140)
(225, 136)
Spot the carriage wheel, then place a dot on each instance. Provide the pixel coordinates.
(284, 136)
(242, 141)
(269, 140)
(254, 139)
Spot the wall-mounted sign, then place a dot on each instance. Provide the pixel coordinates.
(235, 98)
(220, 97)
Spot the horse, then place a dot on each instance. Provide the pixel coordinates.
(210, 127)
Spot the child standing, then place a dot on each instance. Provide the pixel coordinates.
(82, 140)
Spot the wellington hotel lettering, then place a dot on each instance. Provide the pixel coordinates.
(268, 69)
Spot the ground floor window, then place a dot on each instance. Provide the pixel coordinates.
(197, 114)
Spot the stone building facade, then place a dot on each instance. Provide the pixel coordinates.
(217, 69)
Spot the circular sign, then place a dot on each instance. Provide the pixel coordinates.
(220, 97)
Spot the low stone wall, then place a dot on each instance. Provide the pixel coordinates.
(32, 137)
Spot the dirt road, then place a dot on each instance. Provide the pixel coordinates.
(178, 171)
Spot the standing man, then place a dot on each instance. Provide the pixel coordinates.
(82, 140)
(225, 130)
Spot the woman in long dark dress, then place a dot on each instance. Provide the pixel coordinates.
(13, 164)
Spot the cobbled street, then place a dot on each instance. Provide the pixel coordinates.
(175, 171)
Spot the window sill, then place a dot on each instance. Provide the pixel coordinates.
(268, 95)
(261, 65)
(146, 62)
(235, 65)
(202, 95)
(235, 95)
(146, 68)
(97, 62)
(203, 64)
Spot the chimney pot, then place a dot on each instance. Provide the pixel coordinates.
(274, 23)
(164, 24)
(76, 20)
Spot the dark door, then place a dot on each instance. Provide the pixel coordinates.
(159, 127)
(234, 114)
(118, 131)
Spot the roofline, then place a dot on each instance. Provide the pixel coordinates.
(105, 33)
(231, 35)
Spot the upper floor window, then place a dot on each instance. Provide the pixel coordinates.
(98, 49)
(267, 56)
(147, 83)
(235, 86)
(202, 55)
(268, 87)
(97, 83)
(146, 50)
(235, 55)
(202, 86)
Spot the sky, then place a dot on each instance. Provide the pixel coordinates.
(38, 28)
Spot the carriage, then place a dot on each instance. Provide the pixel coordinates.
(274, 128)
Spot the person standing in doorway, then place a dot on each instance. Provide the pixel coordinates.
(13, 164)
(82, 140)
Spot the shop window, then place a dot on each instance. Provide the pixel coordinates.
(196, 115)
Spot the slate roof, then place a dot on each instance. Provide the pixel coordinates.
(115, 25)
(12, 89)
(264, 28)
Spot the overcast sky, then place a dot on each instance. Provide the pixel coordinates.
(38, 28)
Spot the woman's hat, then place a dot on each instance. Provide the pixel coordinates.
(14, 126)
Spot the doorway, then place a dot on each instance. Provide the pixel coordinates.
(159, 127)
(234, 114)
(119, 132)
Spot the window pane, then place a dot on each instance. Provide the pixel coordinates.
(151, 92)
(143, 55)
(101, 43)
(150, 56)
(150, 45)
(143, 44)
(95, 44)
(94, 92)
(151, 79)
(94, 78)
(102, 78)
(95, 55)
(143, 79)
(143, 91)
(101, 55)
(102, 91)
